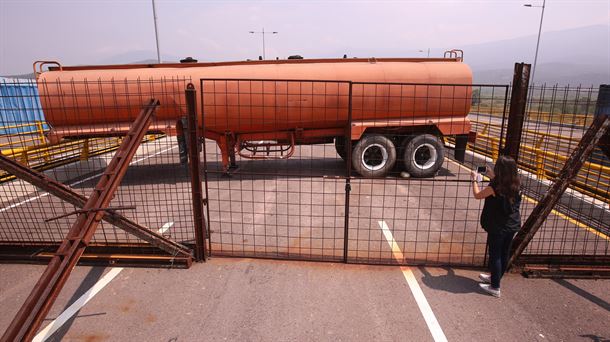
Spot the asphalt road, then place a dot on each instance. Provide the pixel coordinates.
(293, 208)
(230, 299)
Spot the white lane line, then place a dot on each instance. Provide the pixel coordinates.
(165, 227)
(84, 299)
(80, 181)
(23, 202)
(435, 329)
(77, 305)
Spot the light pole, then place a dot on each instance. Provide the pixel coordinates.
(156, 31)
(425, 51)
(263, 33)
(538, 42)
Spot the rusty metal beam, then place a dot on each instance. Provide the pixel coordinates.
(63, 192)
(35, 308)
(194, 166)
(599, 128)
(516, 113)
(603, 108)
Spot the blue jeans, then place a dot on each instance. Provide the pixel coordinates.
(499, 252)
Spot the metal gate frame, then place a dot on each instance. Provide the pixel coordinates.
(206, 171)
(347, 177)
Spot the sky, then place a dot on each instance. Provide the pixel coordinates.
(93, 32)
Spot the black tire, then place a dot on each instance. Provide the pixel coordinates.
(423, 155)
(374, 156)
(341, 147)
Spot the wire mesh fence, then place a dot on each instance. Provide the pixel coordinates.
(556, 119)
(155, 192)
(344, 171)
(305, 169)
(276, 186)
(423, 211)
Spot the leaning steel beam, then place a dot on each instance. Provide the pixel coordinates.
(39, 302)
(603, 108)
(516, 114)
(194, 165)
(599, 128)
(63, 192)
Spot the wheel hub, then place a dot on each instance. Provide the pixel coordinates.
(425, 156)
(374, 157)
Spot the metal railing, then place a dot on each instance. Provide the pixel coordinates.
(32, 148)
(35, 135)
(593, 179)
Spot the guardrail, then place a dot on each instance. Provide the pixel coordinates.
(37, 133)
(31, 148)
(535, 157)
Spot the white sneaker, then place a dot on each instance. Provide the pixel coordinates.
(490, 290)
(486, 278)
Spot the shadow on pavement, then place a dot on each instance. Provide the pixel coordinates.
(596, 338)
(449, 282)
(586, 295)
(90, 279)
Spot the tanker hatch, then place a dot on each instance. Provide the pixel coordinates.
(188, 60)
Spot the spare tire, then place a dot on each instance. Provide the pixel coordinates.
(423, 155)
(374, 156)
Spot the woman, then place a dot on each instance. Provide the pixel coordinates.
(500, 218)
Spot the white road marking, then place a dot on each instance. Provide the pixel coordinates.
(84, 299)
(77, 305)
(165, 227)
(435, 329)
(80, 181)
(23, 202)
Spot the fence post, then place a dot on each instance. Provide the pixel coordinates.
(84, 155)
(348, 186)
(40, 131)
(600, 128)
(516, 114)
(494, 148)
(540, 170)
(603, 108)
(194, 167)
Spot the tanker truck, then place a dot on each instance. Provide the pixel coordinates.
(389, 128)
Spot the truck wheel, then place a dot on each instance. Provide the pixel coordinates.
(424, 155)
(374, 156)
(341, 147)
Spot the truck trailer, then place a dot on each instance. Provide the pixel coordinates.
(400, 109)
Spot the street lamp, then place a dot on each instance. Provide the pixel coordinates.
(539, 32)
(263, 33)
(156, 31)
(425, 51)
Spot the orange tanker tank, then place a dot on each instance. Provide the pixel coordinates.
(396, 103)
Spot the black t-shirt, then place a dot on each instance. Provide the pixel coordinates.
(499, 215)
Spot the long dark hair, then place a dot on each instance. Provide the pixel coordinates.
(506, 179)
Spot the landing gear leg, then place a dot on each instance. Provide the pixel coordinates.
(231, 151)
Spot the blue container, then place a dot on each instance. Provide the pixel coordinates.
(19, 105)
